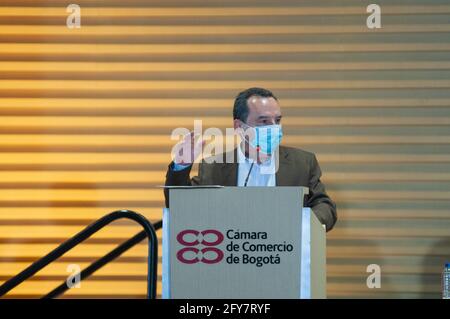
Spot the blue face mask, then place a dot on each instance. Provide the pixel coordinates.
(267, 138)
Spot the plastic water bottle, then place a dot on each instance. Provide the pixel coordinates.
(446, 282)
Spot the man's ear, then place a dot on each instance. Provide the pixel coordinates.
(236, 124)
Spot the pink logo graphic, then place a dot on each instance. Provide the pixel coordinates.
(190, 238)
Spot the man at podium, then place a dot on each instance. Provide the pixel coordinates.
(259, 160)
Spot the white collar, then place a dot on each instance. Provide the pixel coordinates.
(241, 158)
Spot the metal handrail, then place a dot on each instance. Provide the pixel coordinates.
(113, 254)
(152, 258)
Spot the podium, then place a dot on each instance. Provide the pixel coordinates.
(242, 242)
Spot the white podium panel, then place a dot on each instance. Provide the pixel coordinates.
(236, 242)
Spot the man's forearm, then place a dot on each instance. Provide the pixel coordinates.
(176, 178)
(322, 205)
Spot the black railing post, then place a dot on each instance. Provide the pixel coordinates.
(152, 261)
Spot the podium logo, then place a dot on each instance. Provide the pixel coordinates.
(192, 254)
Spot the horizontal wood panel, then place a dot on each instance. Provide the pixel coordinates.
(31, 30)
(131, 159)
(144, 179)
(147, 67)
(116, 140)
(43, 122)
(47, 105)
(128, 51)
(242, 9)
(135, 86)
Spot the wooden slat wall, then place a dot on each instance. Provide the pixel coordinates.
(86, 117)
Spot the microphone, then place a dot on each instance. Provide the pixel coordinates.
(250, 170)
(248, 175)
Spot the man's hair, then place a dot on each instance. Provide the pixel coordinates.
(240, 109)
